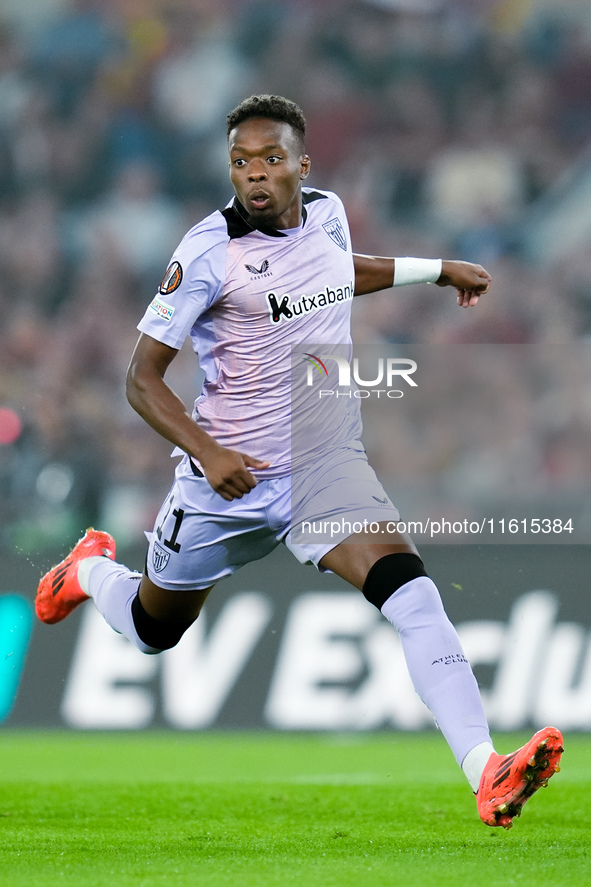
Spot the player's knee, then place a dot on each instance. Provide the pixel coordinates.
(155, 633)
(390, 573)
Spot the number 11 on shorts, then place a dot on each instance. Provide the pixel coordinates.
(178, 515)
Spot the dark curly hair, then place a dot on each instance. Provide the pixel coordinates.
(272, 107)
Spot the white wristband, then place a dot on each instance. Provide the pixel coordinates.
(410, 270)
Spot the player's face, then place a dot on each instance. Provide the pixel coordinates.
(267, 168)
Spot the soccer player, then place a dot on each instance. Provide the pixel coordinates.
(272, 271)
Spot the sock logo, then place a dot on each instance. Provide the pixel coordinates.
(450, 659)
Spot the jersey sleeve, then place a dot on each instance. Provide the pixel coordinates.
(193, 282)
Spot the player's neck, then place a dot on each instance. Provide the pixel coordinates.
(271, 229)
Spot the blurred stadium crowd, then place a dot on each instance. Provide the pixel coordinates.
(442, 125)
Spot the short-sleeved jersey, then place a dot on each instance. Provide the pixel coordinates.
(245, 296)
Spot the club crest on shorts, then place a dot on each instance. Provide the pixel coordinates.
(336, 232)
(160, 558)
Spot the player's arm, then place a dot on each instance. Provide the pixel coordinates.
(374, 273)
(154, 400)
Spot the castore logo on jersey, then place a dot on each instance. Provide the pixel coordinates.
(263, 271)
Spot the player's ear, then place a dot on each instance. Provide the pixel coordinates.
(305, 164)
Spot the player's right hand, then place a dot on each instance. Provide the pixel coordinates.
(227, 471)
(471, 281)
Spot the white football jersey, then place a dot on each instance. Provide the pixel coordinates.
(255, 302)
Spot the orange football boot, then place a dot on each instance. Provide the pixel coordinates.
(59, 591)
(509, 781)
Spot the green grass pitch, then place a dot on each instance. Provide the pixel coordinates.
(270, 810)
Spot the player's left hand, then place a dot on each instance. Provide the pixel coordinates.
(471, 281)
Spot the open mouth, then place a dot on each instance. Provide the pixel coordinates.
(259, 199)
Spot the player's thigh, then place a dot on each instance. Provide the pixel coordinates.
(200, 538)
(171, 606)
(353, 558)
(344, 521)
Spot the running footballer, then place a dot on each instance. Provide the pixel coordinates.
(274, 270)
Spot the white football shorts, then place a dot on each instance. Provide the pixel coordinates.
(200, 538)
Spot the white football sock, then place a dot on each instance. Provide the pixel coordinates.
(113, 588)
(84, 568)
(440, 672)
(474, 763)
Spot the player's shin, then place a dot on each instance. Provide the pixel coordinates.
(113, 588)
(115, 591)
(398, 585)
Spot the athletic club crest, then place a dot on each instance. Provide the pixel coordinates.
(159, 558)
(336, 232)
